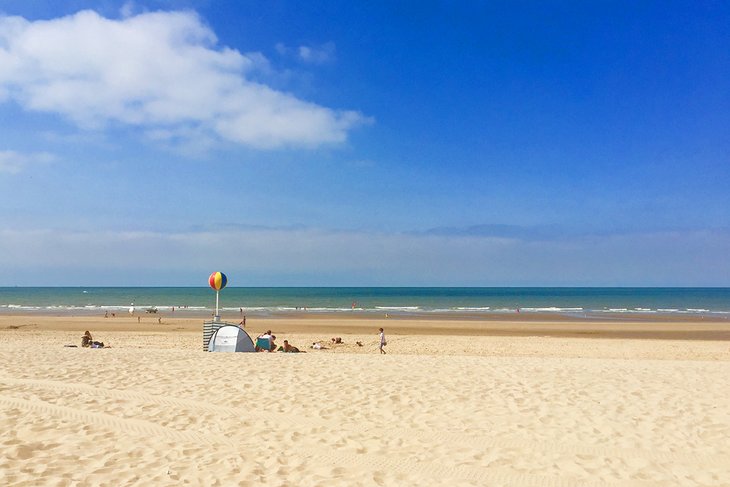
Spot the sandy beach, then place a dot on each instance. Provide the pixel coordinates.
(536, 401)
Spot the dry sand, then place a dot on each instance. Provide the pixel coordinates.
(455, 402)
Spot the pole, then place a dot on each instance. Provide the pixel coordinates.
(217, 316)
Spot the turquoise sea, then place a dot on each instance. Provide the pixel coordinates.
(200, 301)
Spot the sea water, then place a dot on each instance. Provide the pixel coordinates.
(200, 301)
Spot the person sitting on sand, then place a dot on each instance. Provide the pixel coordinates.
(265, 336)
(337, 340)
(88, 342)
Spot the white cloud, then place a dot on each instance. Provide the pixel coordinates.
(281, 48)
(14, 162)
(162, 71)
(317, 54)
(314, 54)
(127, 9)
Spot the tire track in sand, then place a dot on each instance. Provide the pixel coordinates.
(480, 440)
(135, 426)
(371, 462)
(169, 401)
(504, 475)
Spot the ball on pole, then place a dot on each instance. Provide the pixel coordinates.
(217, 281)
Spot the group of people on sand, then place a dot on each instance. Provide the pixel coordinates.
(267, 336)
(266, 342)
(338, 341)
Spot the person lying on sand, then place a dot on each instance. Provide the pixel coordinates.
(318, 346)
(286, 348)
(337, 340)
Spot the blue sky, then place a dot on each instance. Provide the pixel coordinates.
(365, 143)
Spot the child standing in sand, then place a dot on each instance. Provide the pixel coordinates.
(382, 341)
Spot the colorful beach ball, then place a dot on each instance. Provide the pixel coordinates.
(217, 280)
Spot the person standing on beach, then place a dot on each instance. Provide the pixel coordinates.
(382, 341)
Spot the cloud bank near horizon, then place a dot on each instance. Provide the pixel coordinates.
(163, 72)
(301, 256)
